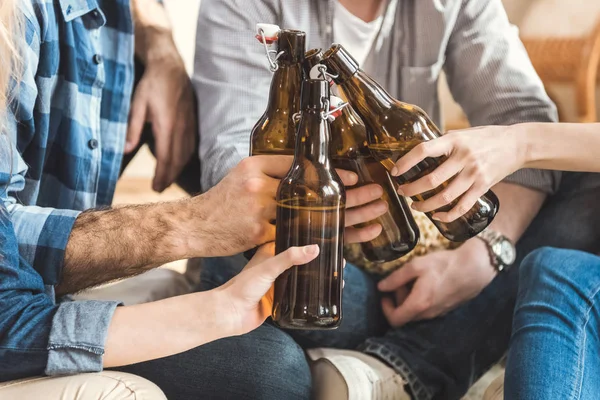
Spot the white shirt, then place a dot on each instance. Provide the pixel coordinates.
(356, 35)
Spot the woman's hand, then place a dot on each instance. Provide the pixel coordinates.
(477, 159)
(248, 298)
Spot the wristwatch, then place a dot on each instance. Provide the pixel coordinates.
(502, 251)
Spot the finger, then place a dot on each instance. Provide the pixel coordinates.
(348, 178)
(459, 186)
(388, 307)
(362, 235)
(464, 205)
(399, 278)
(363, 195)
(436, 178)
(263, 253)
(137, 119)
(273, 166)
(370, 212)
(275, 266)
(433, 148)
(164, 157)
(404, 313)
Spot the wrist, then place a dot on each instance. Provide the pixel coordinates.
(524, 144)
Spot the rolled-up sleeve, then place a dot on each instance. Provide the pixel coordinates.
(492, 78)
(78, 335)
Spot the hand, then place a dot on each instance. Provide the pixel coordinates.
(477, 159)
(248, 297)
(435, 284)
(165, 98)
(239, 212)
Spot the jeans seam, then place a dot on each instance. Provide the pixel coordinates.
(418, 389)
(581, 362)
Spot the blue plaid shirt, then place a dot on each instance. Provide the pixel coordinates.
(68, 123)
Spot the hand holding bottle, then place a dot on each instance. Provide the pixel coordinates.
(248, 297)
(477, 159)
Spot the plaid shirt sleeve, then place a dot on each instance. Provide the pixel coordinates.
(42, 233)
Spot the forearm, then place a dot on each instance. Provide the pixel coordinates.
(153, 34)
(563, 147)
(518, 207)
(164, 328)
(121, 242)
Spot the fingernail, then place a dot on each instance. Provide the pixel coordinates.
(311, 250)
(395, 171)
(383, 207)
(436, 218)
(377, 191)
(414, 207)
(400, 192)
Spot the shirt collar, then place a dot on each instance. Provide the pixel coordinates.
(72, 9)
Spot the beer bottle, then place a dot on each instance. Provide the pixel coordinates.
(393, 129)
(274, 133)
(349, 151)
(310, 210)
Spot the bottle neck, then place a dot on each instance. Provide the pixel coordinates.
(313, 139)
(284, 95)
(366, 96)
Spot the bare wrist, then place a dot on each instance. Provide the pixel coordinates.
(524, 144)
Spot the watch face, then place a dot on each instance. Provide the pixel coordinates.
(507, 252)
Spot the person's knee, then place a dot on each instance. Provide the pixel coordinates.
(127, 386)
(281, 372)
(552, 264)
(107, 385)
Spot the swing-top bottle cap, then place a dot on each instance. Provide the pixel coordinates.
(269, 31)
(335, 102)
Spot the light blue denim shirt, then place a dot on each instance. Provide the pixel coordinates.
(67, 127)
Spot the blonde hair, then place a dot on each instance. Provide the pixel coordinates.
(10, 62)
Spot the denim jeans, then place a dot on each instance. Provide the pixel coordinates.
(555, 348)
(440, 358)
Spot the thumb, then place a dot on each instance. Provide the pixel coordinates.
(275, 266)
(137, 119)
(255, 281)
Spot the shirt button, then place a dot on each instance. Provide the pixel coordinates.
(97, 59)
(93, 144)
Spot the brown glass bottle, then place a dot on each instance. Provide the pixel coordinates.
(274, 133)
(393, 129)
(310, 210)
(349, 151)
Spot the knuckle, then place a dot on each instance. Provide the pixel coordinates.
(447, 197)
(246, 165)
(254, 185)
(463, 209)
(432, 179)
(423, 149)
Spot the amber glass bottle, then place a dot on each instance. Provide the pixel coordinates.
(275, 132)
(349, 151)
(393, 129)
(310, 210)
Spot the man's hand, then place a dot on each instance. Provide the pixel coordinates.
(164, 96)
(238, 214)
(435, 284)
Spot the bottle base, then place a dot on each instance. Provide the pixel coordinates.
(304, 325)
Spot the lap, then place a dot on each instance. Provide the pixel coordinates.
(263, 364)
